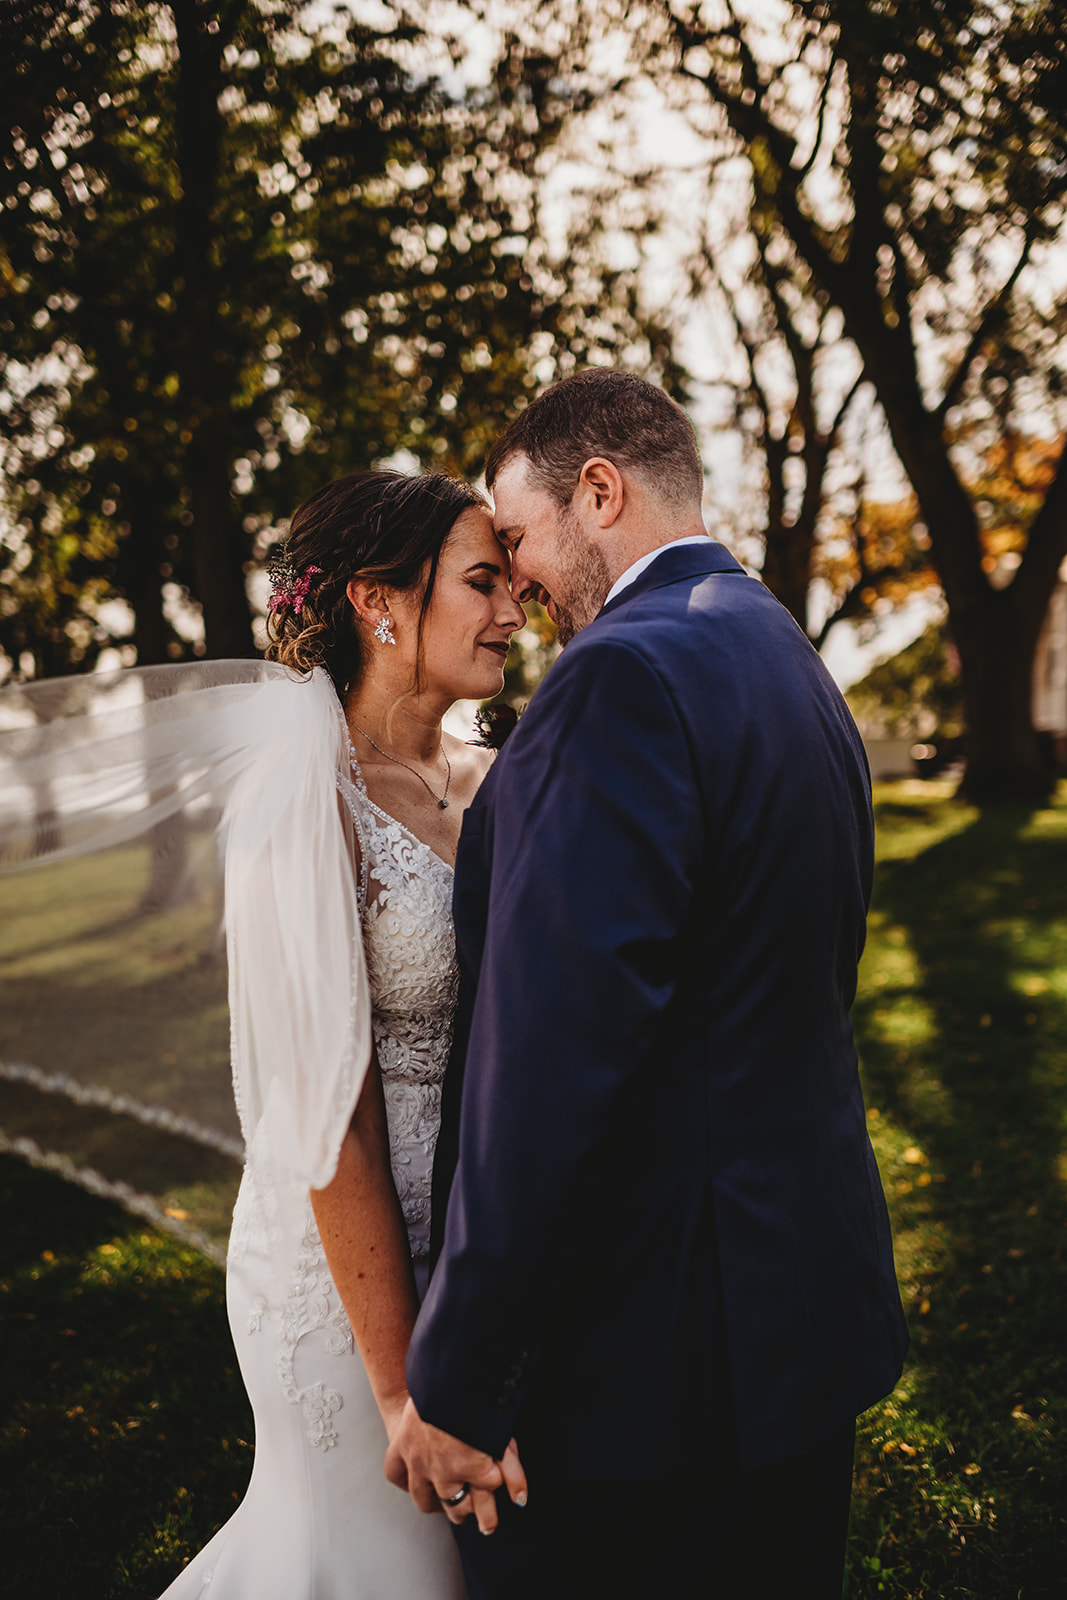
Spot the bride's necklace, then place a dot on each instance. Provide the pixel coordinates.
(442, 799)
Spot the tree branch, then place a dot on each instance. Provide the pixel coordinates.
(748, 344)
(986, 323)
(835, 426)
(1046, 545)
(824, 100)
(800, 354)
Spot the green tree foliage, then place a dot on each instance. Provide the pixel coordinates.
(915, 694)
(910, 162)
(243, 250)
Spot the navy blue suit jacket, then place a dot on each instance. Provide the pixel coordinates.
(662, 1204)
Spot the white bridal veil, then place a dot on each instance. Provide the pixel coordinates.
(142, 814)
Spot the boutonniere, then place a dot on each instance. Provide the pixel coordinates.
(492, 724)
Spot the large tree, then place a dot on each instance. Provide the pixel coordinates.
(914, 159)
(246, 245)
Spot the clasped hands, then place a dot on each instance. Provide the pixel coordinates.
(433, 1467)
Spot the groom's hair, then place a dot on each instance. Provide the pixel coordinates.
(603, 413)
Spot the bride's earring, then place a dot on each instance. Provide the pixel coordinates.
(383, 630)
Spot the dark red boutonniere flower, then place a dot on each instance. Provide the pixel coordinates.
(492, 724)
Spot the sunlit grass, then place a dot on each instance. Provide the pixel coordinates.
(95, 988)
(961, 1482)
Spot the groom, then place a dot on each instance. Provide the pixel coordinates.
(666, 1267)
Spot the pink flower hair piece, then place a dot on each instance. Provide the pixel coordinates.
(290, 591)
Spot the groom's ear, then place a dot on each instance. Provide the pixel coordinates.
(603, 489)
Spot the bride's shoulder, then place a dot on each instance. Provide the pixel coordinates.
(469, 760)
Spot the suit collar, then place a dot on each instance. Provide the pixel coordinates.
(672, 566)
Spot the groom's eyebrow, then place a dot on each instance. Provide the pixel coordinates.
(505, 535)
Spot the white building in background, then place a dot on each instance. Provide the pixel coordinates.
(1050, 670)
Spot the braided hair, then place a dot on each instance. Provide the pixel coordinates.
(373, 525)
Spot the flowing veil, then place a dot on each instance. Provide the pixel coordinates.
(174, 847)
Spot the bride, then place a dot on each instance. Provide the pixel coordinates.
(393, 592)
(341, 800)
(392, 598)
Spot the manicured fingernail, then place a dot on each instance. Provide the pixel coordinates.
(485, 1532)
(520, 1499)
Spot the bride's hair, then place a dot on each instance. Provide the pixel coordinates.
(376, 525)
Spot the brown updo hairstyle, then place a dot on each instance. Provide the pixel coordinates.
(382, 526)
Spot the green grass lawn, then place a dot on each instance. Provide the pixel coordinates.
(95, 988)
(125, 1439)
(962, 1023)
(125, 1436)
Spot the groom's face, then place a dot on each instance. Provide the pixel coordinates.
(553, 558)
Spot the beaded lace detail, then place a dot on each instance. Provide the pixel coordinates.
(405, 898)
(313, 1303)
(411, 964)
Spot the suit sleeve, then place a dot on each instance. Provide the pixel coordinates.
(596, 833)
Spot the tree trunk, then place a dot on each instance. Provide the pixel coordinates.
(143, 584)
(218, 551)
(787, 568)
(169, 877)
(996, 631)
(1005, 762)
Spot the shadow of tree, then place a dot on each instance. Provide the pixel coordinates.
(965, 1058)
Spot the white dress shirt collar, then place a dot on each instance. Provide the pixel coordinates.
(642, 562)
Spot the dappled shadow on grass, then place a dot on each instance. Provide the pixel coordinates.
(126, 1438)
(962, 1488)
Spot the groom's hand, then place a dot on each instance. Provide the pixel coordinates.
(433, 1466)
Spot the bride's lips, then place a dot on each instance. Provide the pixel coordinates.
(498, 646)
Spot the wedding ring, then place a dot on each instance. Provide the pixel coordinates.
(455, 1499)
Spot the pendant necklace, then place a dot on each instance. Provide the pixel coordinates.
(442, 800)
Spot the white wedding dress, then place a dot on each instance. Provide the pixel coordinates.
(319, 1520)
(244, 765)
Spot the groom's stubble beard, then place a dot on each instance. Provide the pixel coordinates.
(586, 579)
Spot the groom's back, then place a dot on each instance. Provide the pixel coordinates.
(779, 907)
(667, 874)
(745, 1232)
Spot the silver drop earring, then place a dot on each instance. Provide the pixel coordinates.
(383, 630)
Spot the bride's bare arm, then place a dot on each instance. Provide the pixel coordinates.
(363, 1234)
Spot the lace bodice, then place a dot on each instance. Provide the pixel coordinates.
(406, 907)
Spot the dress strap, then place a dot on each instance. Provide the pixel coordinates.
(353, 791)
(358, 780)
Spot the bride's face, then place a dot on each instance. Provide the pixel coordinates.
(471, 615)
